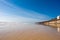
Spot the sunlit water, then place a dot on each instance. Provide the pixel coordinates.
(28, 31)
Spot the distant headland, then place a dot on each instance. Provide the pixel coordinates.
(53, 22)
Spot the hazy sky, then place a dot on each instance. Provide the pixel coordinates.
(28, 10)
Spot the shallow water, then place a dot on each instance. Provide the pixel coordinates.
(26, 31)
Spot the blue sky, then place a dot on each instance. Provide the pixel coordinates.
(29, 10)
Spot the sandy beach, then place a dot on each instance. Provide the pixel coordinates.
(27, 31)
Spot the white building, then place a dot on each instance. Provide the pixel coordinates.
(58, 17)
(58, 21)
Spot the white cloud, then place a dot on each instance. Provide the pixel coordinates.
(24, 14)
(14, 18)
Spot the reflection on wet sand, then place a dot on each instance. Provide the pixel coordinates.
(55, 26)
(27, 31)
(58, 27)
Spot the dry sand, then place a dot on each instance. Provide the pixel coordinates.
(25, 31)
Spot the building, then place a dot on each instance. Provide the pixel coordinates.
(58, 17)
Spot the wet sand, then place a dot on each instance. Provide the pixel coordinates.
(25, 31)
